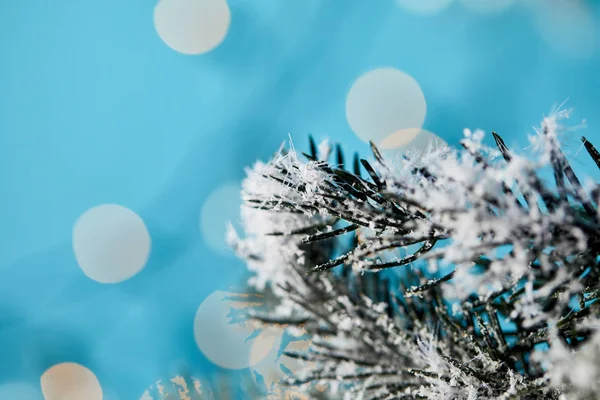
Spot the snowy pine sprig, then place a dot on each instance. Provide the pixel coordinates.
(447, 274)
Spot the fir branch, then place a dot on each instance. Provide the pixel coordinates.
(473, 332)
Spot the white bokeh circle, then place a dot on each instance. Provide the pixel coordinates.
(192, 26)
(487, 6)
(423, 141)
(70, 381)
(220, 207)
(271, 368)
(384, 101)
(111, 243)
(19, 391)
(225, 342)
(399, 138)
(414, 149)
(267, 341)
(425, 7)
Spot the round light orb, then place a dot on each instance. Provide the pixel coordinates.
(70, 381)
(224, 336)
(384, 101)
(220, 207)
(423, 141)
(111, 243)
(192, 26)
(399, 138)
(270, 371)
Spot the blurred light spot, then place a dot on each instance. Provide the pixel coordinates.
(192, 26)
(487, 6)
(382, 102)
(568, 26)
(424, 140)
(267, 341)
(70, 381)
(221, 206)
(426, 7)
(223, 335)
(19, 391)
(399, 138)
(178, 387)
(273, 369)
(111, 243)
(420, 144)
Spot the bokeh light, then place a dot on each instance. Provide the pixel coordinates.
(111, 243)
(385, 101)
(70, 381)
(192, 26)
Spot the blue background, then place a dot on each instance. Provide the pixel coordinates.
(95, 108)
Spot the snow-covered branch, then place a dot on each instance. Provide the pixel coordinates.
(438, 275)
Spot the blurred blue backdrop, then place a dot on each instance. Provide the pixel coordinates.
(100, 105)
